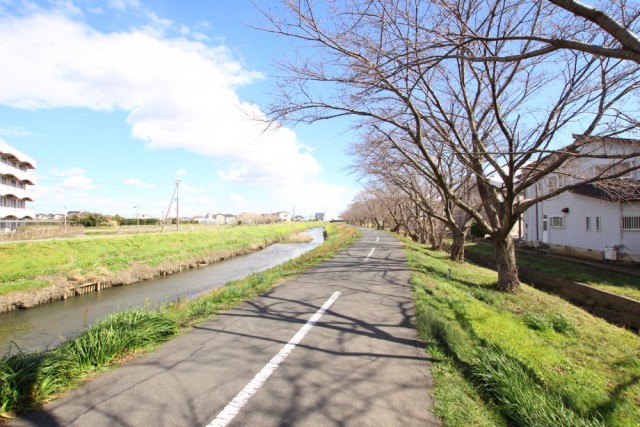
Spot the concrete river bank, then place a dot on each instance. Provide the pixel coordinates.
(49, 324)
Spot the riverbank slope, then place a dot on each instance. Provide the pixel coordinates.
(35, 273)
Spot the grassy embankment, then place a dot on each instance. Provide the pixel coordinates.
(526, 359)
(125, 259)
(30, 379)
(616, 283)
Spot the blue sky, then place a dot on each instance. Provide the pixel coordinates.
(116, 100)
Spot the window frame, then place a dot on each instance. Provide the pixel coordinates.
(633, 220)
(559, 219)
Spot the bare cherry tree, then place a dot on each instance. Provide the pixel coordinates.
(374, 61)
(376, 159)
(607, 29)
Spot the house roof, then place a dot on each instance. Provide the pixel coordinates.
(580, 140)
(610, 139)
(618, 190)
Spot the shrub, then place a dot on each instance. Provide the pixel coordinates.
(537, 321)
(562, 324)
(478, 230)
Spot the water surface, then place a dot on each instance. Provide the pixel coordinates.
(47, 325)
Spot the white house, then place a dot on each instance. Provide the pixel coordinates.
(282, 216)
(16, 177)
(589, 220)
(218, 219)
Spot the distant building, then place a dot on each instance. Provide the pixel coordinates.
(218, 219)
(319, 216)
(230, 219)
(15, 177)
(282, 216)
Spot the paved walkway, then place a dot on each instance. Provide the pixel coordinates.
(360, 365)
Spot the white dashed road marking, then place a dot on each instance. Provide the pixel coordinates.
(241, 399)
(370, 253)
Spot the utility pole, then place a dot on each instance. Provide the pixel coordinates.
(178, 205)
(174, 196)
(137, 217)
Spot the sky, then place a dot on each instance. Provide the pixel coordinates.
(117, 100)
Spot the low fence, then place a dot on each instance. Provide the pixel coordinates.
(613, 308)
(35, 230)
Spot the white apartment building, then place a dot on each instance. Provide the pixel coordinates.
(16, 176)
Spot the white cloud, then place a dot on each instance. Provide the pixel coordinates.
(237, 200)
(179, 93)
(74, 179)
(135, 182)
(181, 172)
(66, 172)
(78, 182)
(15, 131)
(123, 5)
(186, 188)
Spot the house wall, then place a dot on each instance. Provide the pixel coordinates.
(574, 238)
(631, 238)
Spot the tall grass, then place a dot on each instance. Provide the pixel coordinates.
(30, 379)
(526, 359)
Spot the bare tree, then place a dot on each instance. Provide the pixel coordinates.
(373, 61)
(369, 209)
(375, 158)
(607, 31)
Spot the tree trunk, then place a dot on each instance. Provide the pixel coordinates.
(436, 244)
(457, 247)
(506, 264)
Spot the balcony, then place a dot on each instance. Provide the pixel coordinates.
(18, 193)
(9, 151)
(21, 175)
(19, 213)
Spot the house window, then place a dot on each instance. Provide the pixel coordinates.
(587, 224)
(631, 222)
(614, 168)
(556, 221)
(597, 223)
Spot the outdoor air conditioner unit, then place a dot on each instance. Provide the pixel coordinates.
(610, 253)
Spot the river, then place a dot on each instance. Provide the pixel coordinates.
(48, 325)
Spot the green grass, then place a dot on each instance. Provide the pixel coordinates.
(30, 379)
(32, 265)
(616, 283)
(527, 359)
